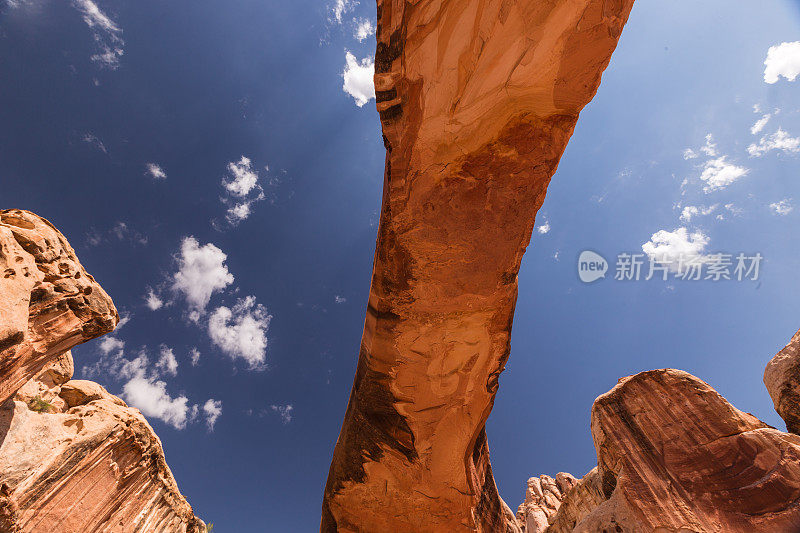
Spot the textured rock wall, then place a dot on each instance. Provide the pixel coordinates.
(73, 458)
(48, 302)
(782, 378)
(477, 100)
(673, 455)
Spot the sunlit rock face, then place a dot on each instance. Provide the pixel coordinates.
(674, 456)
(477, 99)
(48, 302)
(782, 378)
(73, 458)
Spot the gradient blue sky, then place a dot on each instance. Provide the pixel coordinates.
(90, 98)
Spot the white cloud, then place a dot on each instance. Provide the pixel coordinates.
(358, 81)
(672, 245)
(782, 60)
(340, 299)
(241, 332)
(284, 411)
(201, 273)
(760, 124)
(194, 356)
(364, 29)
(106, 34)
(710, 148)
(242, 189)
(155, 171)
(719, 173)
(341, 8)
(691, 211)
(784, 207)
(544, 228)
(690, 154)
(212, 409)
(167, 363)
(151, 398)
(110, 344)
(780, 140)
(153, 301)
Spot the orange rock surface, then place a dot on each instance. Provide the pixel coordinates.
(73, 458)
(477, 100)
(673, 455)
(782, 378)
(48, 302)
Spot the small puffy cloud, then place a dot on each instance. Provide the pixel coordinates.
(284, 411)
(672, 245)
(153, 301)
(167, 364)
(760, 124)
(194, 356)
(544, 228)
(690, 154)
(719, 173)
(784, 207)
(242, 190)
(120, 231)
(241, 332)
(364, 29)
(95, 18)
(780, 140)
(341, 7)
(201, 273)
(155, 171)
(150, 396)
(358, 81)
(782, 60)
(340, 299)
(691, 211)
(109, 344)
(212, 410)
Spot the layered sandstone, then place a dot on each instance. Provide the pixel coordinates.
(543, 500)
(477, 100)
(48, 302)
(673, 455)
(73, 458)
(782, 378)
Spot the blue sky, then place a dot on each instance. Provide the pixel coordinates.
(206, 155)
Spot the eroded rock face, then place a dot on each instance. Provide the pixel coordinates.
(48, 302)
(542, 501)
(782, 378)
(74, 459)
(477, 99)
(673, 455)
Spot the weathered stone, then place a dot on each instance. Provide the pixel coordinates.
(673, 455)
(782, 378)
(477, 99)
(48, 302)
(542, 501)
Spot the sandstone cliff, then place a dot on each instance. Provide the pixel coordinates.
(73, 458)
(477, 100)
(673, 455)
(782, 378)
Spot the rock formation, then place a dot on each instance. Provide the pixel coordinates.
(477, 101)
(542, 501)
(48, 302)
(73, 458)
(782, 378)
(673, 455)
